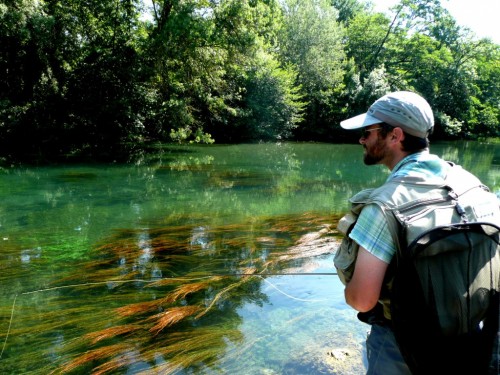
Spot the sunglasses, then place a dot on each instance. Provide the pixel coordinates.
(365, 133)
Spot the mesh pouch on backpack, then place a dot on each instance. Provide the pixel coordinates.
(444, 302)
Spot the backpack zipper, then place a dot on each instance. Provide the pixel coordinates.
(401, 212)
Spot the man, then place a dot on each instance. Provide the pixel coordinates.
(395, 134)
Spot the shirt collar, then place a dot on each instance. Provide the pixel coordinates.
(423, 165)
(409, 159)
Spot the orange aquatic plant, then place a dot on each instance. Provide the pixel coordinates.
(187, 316)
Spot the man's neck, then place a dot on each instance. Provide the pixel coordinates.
(395, 159)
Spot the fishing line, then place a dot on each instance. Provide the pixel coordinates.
(10, 323)
(292, 297)
(201, 277)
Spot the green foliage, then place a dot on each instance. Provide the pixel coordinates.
(348, 9)
(274, 105)
(451, 127)
(204, 53)
(485, 108)
(181, 135)
(311, 40)
(77, 77)
(365, 36)
(422, 48)
(94, 77)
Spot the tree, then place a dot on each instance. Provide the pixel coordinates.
(369, 49)
(106, 94)
(96, 77)
(273, 102)
(420, 48)
(347, 9)
(311, 40)
(26, 79)
(81, 93)
(206, 54)
(483, 116)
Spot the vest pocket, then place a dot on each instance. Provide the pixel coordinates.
(345, 259)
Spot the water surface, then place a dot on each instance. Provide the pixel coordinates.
(122, 268)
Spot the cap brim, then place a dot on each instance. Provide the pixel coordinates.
(359, 121)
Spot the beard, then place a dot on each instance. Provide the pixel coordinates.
(374, 154)
(370, 159)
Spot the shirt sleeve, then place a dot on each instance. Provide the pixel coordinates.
(372, 233)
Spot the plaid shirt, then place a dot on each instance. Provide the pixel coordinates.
(371, 231)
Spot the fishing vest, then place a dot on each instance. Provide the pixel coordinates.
(412, 206)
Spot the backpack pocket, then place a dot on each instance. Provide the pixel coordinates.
(444, 301)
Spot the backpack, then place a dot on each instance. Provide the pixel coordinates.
(445, 290)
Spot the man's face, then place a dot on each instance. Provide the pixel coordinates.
(374, 145)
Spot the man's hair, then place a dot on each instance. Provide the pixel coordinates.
(410, 143)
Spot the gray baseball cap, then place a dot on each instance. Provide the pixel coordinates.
(403, 109)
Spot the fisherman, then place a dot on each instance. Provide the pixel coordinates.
(395, 132)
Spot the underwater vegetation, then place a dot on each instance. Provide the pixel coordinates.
(163, 299)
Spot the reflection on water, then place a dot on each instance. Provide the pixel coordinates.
(192, 260)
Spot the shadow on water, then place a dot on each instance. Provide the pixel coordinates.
(162, 300)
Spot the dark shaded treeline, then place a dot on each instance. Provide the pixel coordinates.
(100, 77)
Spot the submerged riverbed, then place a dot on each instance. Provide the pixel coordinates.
(191, 260)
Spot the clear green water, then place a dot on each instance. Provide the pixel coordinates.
(85, 251)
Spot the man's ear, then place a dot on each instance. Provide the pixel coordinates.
(397, 135)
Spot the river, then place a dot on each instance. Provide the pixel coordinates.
(188, 260)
